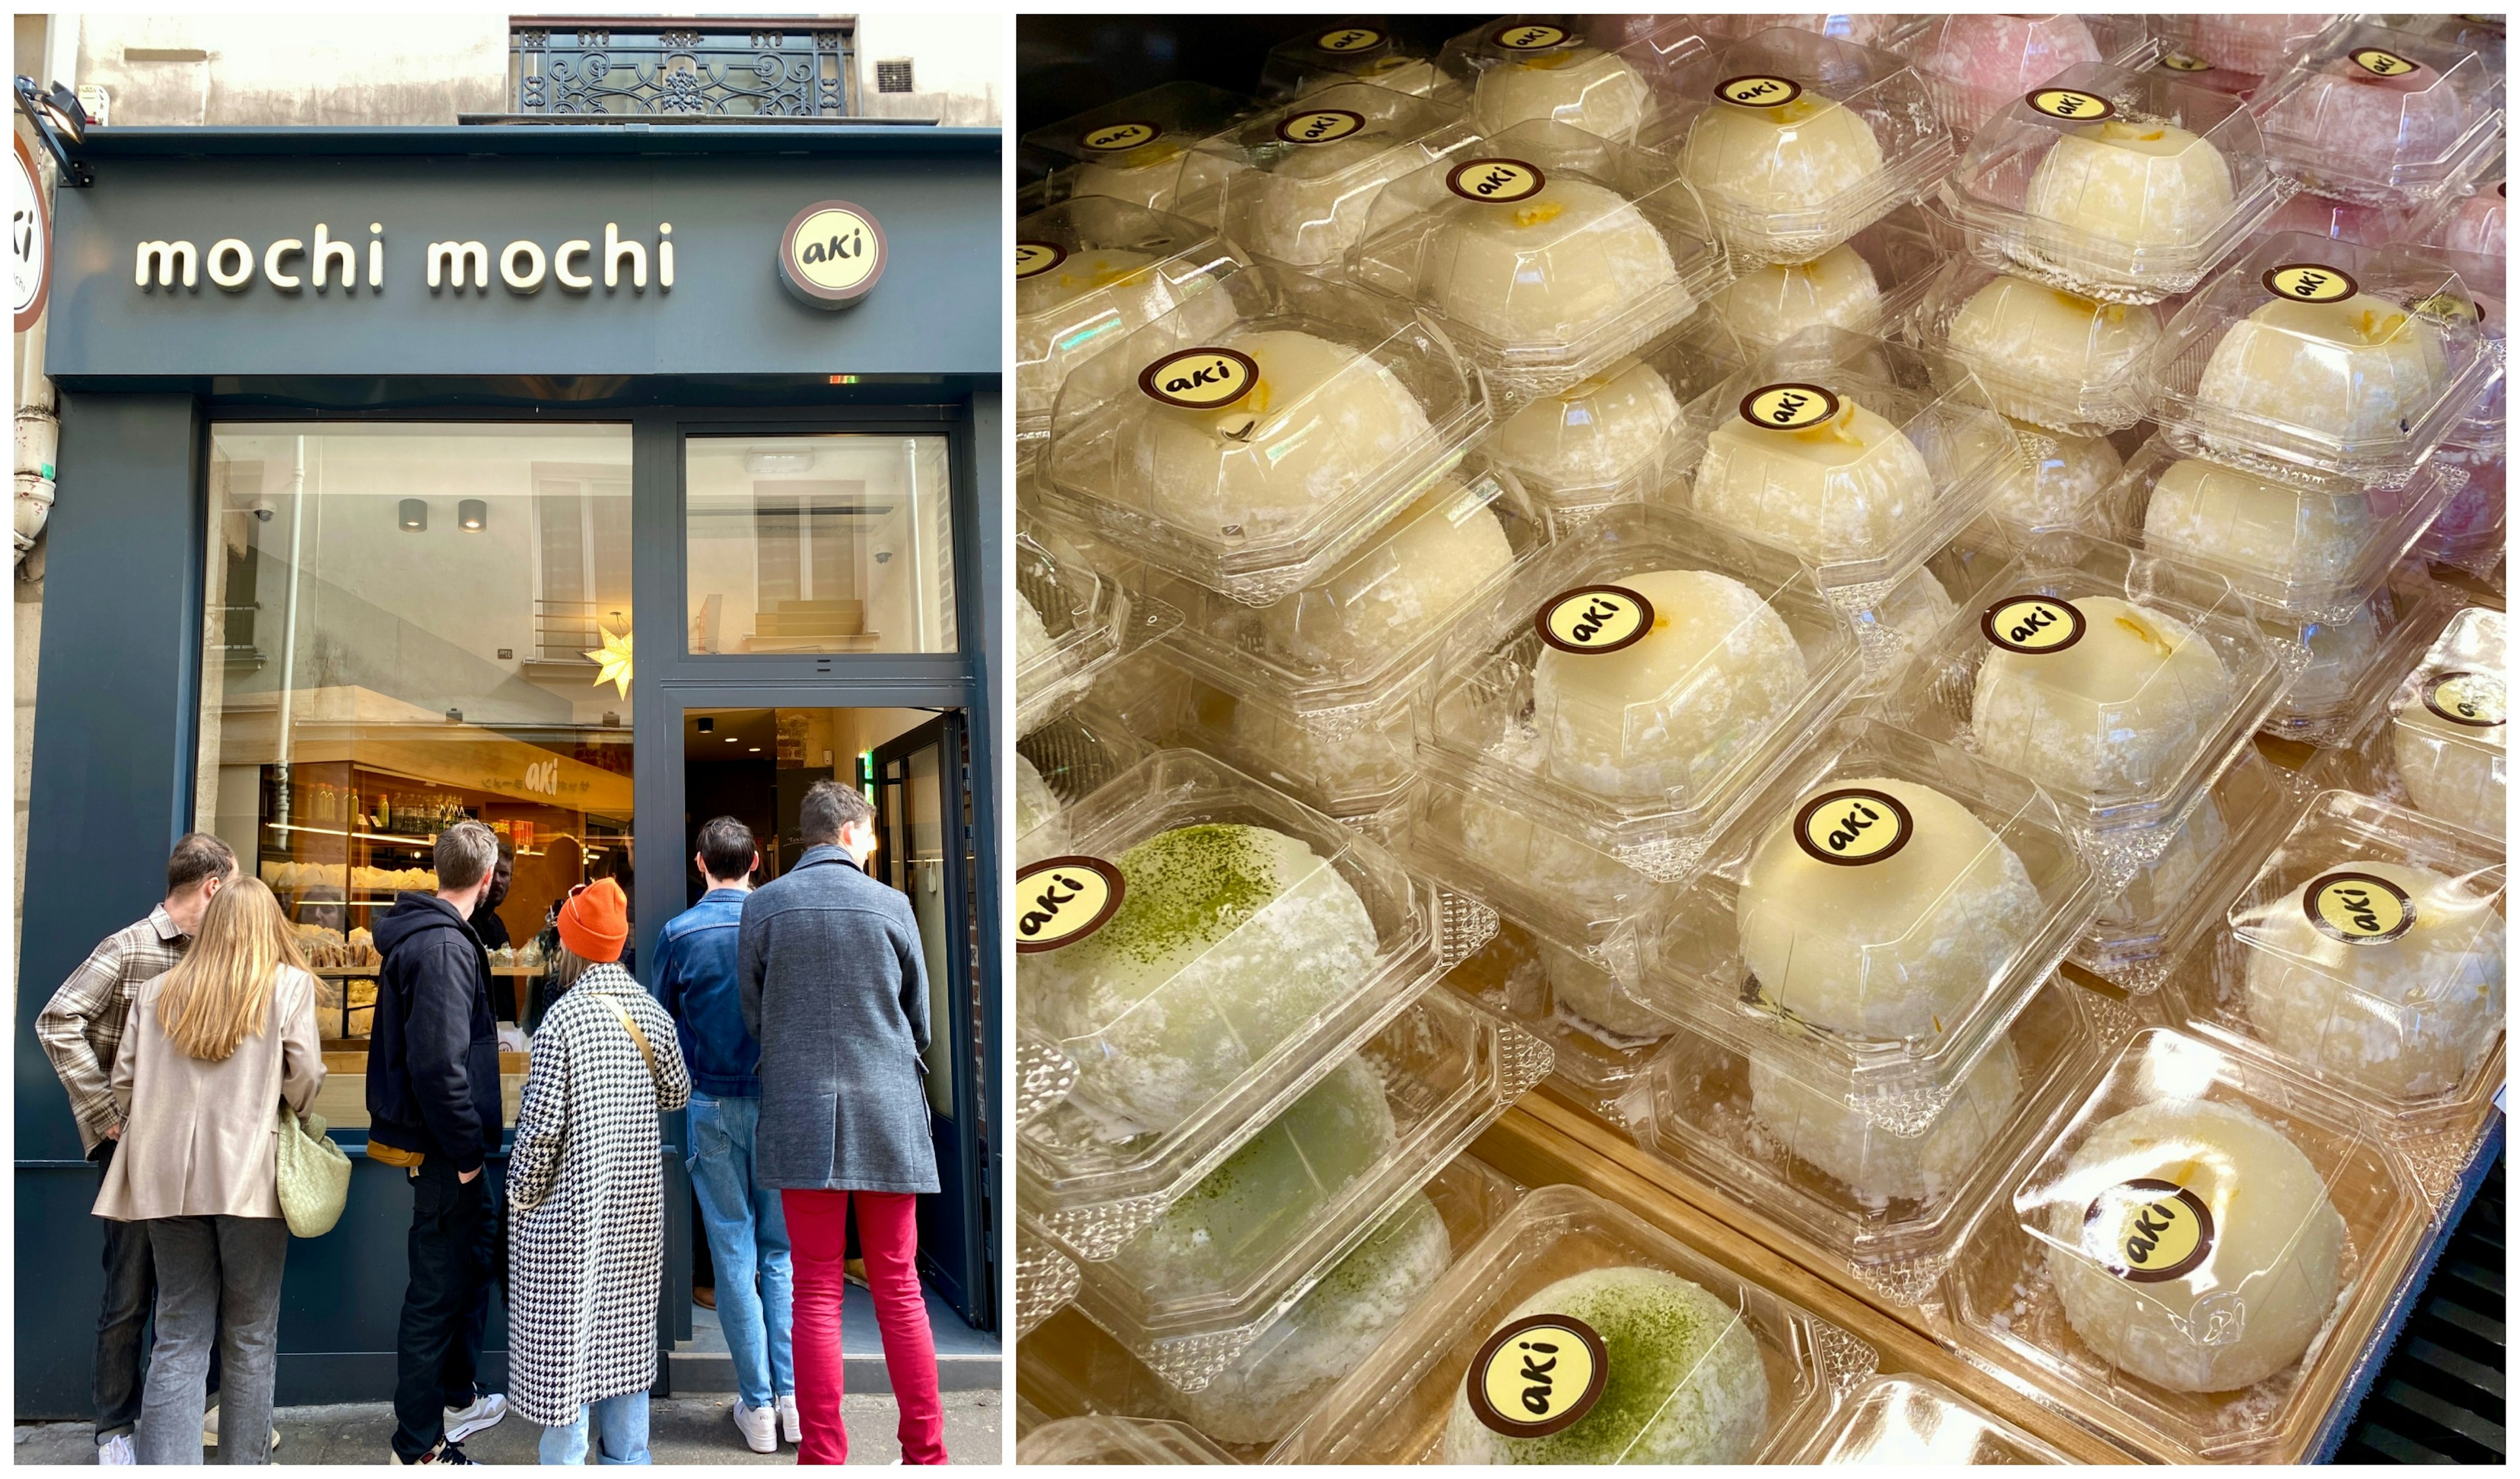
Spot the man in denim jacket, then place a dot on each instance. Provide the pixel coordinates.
(746, 1232)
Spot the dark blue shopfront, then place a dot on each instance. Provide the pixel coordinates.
(382, 453)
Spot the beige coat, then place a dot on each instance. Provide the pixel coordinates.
(200, 1139)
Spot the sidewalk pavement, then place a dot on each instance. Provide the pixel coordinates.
(680, 1430)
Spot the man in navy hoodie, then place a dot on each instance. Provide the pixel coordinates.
(434, 1109)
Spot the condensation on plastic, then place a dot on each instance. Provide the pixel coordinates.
(1045, 1283)
(1621, 71)
(1145, 168)
(2046, 355)
(2411, 138)
(1304, 203)
(1302, 64)
(2352, 661)
(2211, 853)
(1100, 1439)
(1868, 284)
(1916, 1423)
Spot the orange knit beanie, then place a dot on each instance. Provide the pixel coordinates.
(594, 921)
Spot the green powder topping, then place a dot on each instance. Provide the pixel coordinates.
(1188, 887)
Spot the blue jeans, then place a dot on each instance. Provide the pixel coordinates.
(620, 1431)
(747, 1234)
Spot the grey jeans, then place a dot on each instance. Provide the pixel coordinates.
(219, 1286)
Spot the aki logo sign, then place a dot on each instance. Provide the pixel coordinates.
(832, 255)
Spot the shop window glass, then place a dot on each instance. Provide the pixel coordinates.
(397, 637)
(819, 544)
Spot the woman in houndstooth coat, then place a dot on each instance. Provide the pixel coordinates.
(586, 1195)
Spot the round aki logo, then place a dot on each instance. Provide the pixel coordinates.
(832, 255)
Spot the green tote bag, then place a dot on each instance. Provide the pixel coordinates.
(314, 1175)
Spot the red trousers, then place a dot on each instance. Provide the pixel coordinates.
(889, 1240)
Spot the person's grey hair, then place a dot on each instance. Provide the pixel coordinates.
(465, 855)
(829, 808)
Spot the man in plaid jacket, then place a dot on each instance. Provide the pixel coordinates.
(81, 1030)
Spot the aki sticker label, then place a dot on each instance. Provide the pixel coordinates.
(1590, 620)
(1111, 138)
(1854, 826)
(2311, 282)
(1496, 182)
(1059, 901)
(2182, 61)
(1321, 125)
(2472, 700)
(2032, 624)
(1033, 258)
(2148, 1230)
(1538, 1375)
(1791, 406)
(1347, 39)
(1200, 379)
(1758, 90)
(2382, 63)
(2071, 106)
(1530, 37)
(2357, 909)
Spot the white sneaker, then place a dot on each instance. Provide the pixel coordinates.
(788, 1423)
(758, 1426)
(484, 1412)
(116, 1449)
(210, 1431)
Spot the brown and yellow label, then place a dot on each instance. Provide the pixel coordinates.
(2071, 106)
(2148, 1230)
(2380, 61)
(2032, 624)
(1853, 825)
(1496, 182)
(1590, 620)
(1062, 900)
(2473, 700)
(1204, 378)
(1530, 36)
(1538, 1375)
(2184, 62)
(1348, 40)
(2310, 282)
(1321, 125)
(1790, 406)
(1033, 258)
(1111, 138)
(1758, 90)
(2358, 908)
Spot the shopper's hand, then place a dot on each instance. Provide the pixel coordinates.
(114, 1133)
(466, 1177)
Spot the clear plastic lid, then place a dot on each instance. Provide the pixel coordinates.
(1605, 1041)
(1353, 49)
(1863, 285)
(1624, 692)
(2064, 485)
(1253, 436)
(1100, 1439)
(2122, 185)
(1294, 184)
(2446, 731)
(2122, 683)
(2170, 1265)
(1061, 763)
(2354, 660)
(2468, 533)
(1071, 1367)
(1191, 1291)
(1209, 952)
(1611, 76)
(1911, 1422)
(2174, 899)
(1352, 763)
(2251, 46)
(1547, 254)
(2046, 355)
(1890, 1208)
(2369, 954)
(2382, 116)
(1798, 141)
(2483, 426)
(1974, 66)
(2346, 221)
(1876, 918)
(2473, 222)
(1132, 149)
(1070, 622)
(1860, 455)
(1904, 623)
(2322, 356)
(1870, 29)
(2309, 547)
(1088, 271)
(1045, 1283)
(1663, 1356)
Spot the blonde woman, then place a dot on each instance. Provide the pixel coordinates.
(213, 1048)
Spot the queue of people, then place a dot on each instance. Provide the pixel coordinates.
(791, 1019)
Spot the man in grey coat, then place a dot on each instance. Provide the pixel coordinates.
(833, 985)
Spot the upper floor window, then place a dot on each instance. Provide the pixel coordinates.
(790, 67)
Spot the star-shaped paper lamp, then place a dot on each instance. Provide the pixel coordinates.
(612, 660)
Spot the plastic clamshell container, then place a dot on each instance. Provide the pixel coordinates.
(1911, 1422)
(1045, 1283)
(2122, 683)
(1885, 1003)
(2348, 221)
(2468, 534)
(1070, 622)
(1546, 254)
(1295, 184)
(2382, 116)
(1132, 149)
(1101, 1439)
(2247, 46)
(2475, 222)
(2047, 355)
(2368, 953)
(1073, 1367)
(2128, 186)
(1354, 765)
(1548, 787)
(1353, 49)
(1088, 271)
(2354, 661)
(1611, 76)
(1070, 757)
(1254, 436)
(1563, 998)
(1890, 1208)
(1219, 1002)
(1798, 141)
(1974, 66)
(1862, 28)
(2311, 355)
(2303, 546)
(1408, 1402)
(1866, 284)
(2483, 273)
(2446, 731)
(2210, 1362)
(2171, 900)
(2064, 485)
(1192, 1292)
(1904, 622)
(1766, 455)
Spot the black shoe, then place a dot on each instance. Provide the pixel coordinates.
(444, 1453)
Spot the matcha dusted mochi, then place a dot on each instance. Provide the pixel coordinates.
(1228, 940)
(1686, 1383)
(1271, 1385)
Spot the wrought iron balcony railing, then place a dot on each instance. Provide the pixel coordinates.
(714, 68)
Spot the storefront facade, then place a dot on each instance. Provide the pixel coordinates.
(586, 480)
